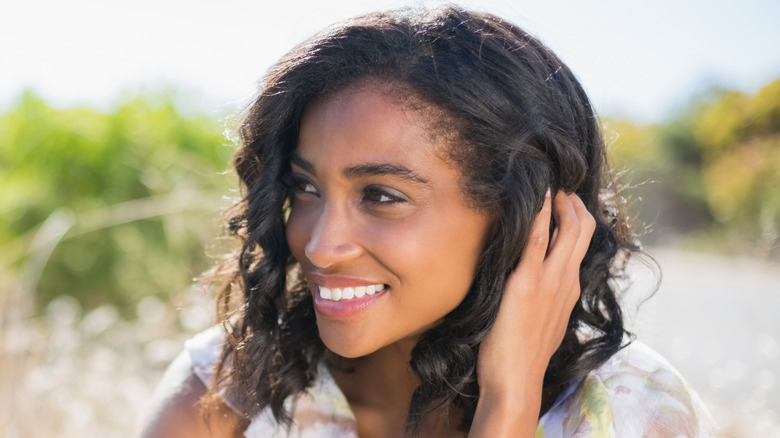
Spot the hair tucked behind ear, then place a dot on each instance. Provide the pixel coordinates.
(518, 121)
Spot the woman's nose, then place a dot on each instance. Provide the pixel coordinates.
(332, 240)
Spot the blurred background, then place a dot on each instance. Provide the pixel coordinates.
(115, 127)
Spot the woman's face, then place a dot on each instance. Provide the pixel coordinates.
(378, 223)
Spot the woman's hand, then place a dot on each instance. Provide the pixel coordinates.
(535, 308)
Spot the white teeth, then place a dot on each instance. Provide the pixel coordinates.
(347, 293)
(371, 290)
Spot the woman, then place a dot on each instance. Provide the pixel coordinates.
(428, 250)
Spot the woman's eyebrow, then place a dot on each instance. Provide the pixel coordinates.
(363, 170)
(303, 164)
(394, 169)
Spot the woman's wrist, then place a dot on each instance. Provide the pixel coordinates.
(506, 414)
(508, 410)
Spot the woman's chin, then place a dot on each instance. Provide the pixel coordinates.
(344, 343)
(346, 350)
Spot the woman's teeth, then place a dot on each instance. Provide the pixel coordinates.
(347, 293)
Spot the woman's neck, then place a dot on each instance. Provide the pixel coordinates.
(383, 379)
(379, 390)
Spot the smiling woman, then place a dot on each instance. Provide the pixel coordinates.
(427, 250)
(376, 206)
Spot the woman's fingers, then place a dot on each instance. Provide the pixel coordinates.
(554, 255)
(547, 276)
(530, 265)
(539, 239)
(587, 225)
(575, 230)
(570, 230)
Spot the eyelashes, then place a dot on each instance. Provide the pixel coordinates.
(303, 185)
(374, 194)
(298, 184)
(380, 195)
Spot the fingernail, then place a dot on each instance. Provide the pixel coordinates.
(548, 194)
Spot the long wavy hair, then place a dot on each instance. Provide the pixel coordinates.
(518, 122)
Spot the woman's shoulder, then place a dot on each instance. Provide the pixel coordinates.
(204, 351)
(635, 393)
(175, 410)
(321, 410)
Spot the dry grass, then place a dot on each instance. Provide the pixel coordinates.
(69, 373)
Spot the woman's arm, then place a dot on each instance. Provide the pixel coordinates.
(535, 308)
(175, 410)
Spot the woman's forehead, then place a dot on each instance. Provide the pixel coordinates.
(365, 129)
(382, 111)
(365, 124)
(378, 102)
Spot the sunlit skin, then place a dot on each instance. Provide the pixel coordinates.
(375, 203)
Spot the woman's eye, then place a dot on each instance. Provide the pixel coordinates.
(379, 195)
(302, 185)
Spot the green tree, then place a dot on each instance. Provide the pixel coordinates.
(717, 168)
(739, 139)
(108, 207)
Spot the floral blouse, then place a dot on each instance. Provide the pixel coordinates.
(636, 393)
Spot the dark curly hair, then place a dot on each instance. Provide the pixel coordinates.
(518, 122)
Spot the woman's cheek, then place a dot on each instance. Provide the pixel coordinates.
(297, 233)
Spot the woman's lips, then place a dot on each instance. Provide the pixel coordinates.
(344, 302)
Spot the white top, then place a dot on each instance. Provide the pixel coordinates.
(635, 394)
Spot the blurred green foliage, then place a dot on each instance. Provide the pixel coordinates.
(714, 170)
(108, 207)
(112, 207)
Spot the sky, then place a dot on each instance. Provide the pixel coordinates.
(637, 59)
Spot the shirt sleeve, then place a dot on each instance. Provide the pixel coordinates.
(205, 350)
(636, 394)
